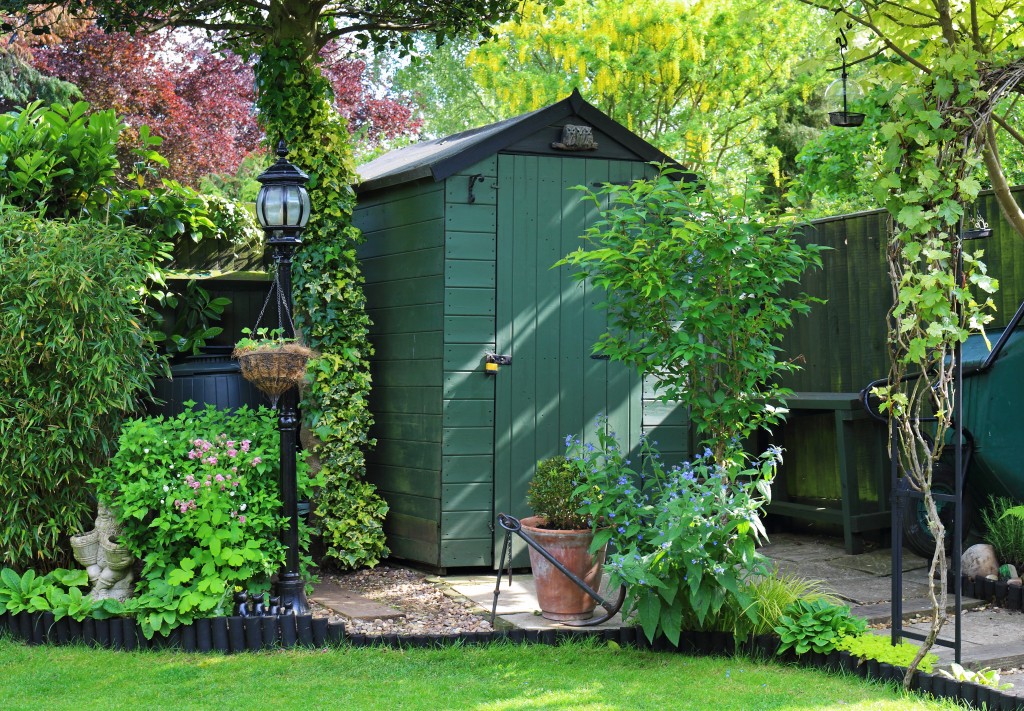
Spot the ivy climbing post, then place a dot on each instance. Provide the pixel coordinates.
(294, 101)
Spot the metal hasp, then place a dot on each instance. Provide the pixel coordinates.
(511, 525)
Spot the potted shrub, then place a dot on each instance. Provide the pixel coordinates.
(565, 533)
(272, 362)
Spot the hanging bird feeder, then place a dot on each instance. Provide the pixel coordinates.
(844, 92)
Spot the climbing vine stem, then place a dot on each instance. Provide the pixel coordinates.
(940, 292)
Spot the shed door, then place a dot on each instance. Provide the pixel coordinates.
(547, 322)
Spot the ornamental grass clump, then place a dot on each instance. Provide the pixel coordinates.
(1004, 530)
(552, 495)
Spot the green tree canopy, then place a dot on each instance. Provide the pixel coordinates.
(899, 43)
(707, 82)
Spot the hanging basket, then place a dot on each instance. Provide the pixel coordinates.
(274, 368)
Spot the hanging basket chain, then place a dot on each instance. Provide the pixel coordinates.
(275, 368)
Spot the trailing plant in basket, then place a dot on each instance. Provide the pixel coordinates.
(684, 537)
(198, 500)
(551, 494)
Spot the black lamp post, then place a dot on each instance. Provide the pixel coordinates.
(282, 207)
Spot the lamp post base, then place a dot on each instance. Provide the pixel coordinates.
(292, 591)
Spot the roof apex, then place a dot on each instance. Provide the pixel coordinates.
(442, 157)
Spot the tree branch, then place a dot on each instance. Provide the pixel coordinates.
(1007, 205)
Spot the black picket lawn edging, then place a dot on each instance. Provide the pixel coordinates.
(998, 592)
(231, 635)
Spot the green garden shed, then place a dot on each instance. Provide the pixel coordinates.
(460, 237)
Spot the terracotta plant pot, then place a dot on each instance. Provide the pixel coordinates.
(558, 596)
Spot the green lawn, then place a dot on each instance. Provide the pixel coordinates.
(579, 676)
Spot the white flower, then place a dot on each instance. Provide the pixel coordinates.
(146, 450)
(166, 488)
(242, 507)
(232, 493)
(161, 502)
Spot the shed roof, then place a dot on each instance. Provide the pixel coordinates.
(442, 157)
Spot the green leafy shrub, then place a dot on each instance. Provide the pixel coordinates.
(1004, 530)
(880, 648)
(198, 500)
(699, 297)
(60, 159)
(816, 626)
(59, 591)
(683, 537)
(551, 494)
(74, 356)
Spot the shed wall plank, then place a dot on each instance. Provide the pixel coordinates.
(419, 400)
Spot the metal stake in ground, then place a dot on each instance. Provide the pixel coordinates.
(282, 207)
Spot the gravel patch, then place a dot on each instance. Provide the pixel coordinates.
(427, 607)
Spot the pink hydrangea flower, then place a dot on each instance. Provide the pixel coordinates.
(246, 444)
(232, 453)
(219, 477)
(256, 460)
(241, 519)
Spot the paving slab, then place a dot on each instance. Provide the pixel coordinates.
(517, 603)
(881, 613)
(879, 562)
(351, 604)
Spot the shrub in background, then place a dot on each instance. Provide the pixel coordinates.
(74, 355)
(59, 158)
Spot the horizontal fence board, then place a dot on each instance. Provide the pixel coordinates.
(405, 238)
(469, 302)
(400, 453)
(471, 218)
(465, 524)
(468, 386)
(401, 480)
(466, 553)
(407, 373)
(405, 319)
(402, 426)
(405, 292)
(408, 265)
(467, 440)
(469, 329)
(472, 273)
